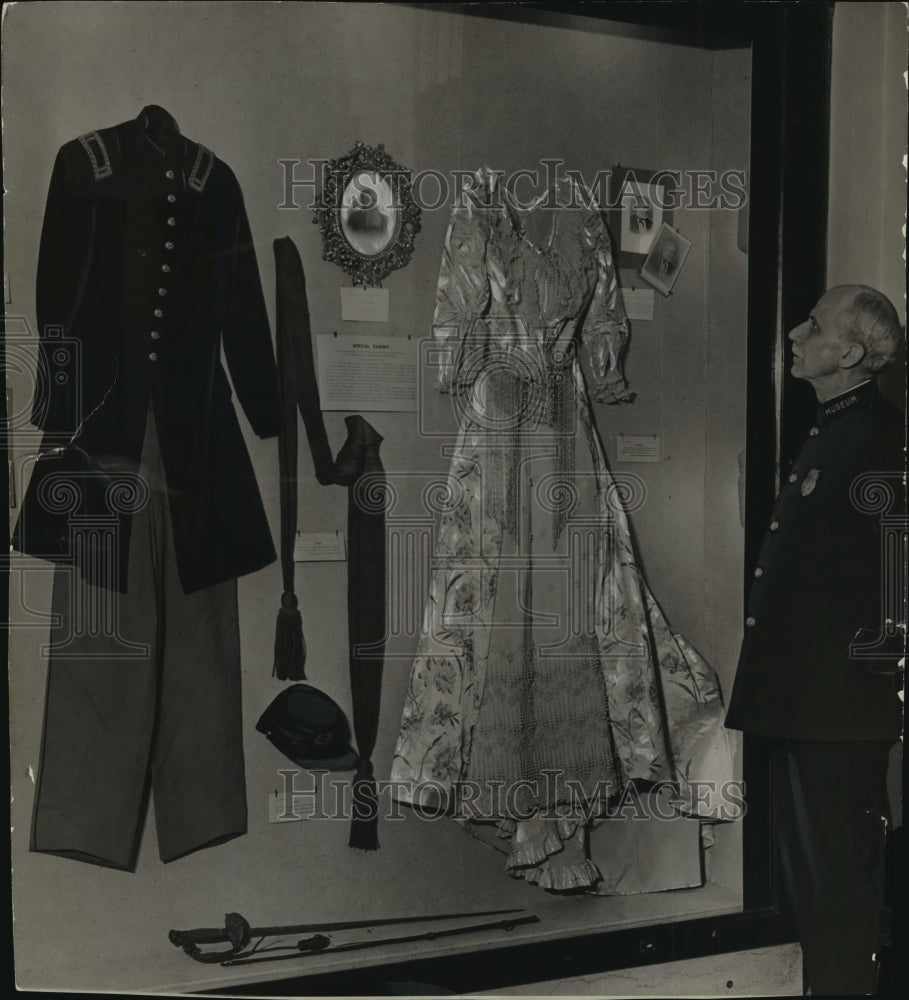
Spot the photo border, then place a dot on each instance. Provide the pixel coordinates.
(649, 274)
(619, 177)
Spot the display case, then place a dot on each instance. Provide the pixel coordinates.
(727, 101)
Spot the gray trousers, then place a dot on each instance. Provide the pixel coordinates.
(830, 814)
(143, 693)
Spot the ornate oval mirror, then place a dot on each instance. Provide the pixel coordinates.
(367, 214)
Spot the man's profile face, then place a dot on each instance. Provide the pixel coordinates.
(819, 343)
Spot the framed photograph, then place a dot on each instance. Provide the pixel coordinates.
(641, 202)
(367, 214)
(666, 258)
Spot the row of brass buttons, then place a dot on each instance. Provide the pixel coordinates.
(775, 526)
(165, 268)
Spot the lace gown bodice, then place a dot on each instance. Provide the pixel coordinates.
(503, 295)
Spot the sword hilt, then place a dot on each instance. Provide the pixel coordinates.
(236, 930)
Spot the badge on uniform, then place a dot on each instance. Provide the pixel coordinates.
(810, 481)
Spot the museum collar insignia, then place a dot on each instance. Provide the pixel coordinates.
(860, 396)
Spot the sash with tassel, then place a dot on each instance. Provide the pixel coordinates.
(359, 468)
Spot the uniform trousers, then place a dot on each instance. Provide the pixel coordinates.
(830, 811)
(143, 694)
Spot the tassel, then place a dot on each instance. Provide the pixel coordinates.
(290, 647)
(364, 827)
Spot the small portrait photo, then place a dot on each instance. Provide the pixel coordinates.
(642, 214)
(641, 217)
(640, 201)
(368, 213)
(666, 257)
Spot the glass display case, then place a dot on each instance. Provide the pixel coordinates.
(715, 111)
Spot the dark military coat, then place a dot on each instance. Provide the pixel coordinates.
(146, 270)
(820, 585)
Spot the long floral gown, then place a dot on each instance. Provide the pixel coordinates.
(546, 676)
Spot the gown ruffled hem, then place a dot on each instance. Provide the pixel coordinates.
(563, 878)
(546, 851)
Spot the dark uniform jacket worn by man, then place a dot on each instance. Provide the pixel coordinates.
(146, 269)
(819, 581)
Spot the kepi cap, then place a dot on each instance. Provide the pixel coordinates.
(309, 728)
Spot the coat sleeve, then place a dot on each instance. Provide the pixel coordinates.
(245, 330)
(463, 291)
(63, 259)
(604, 331)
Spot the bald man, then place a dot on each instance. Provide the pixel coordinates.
(814, 678)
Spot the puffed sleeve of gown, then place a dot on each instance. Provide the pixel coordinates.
(462, 293)
(604, 329)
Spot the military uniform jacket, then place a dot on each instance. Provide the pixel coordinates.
(820, 585)
(146, 269)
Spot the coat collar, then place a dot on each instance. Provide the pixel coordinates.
(155, 134)
(859, 397)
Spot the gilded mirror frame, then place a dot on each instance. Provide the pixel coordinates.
(367, 214)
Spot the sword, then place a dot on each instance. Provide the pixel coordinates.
(320, 943)
(237, 931)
